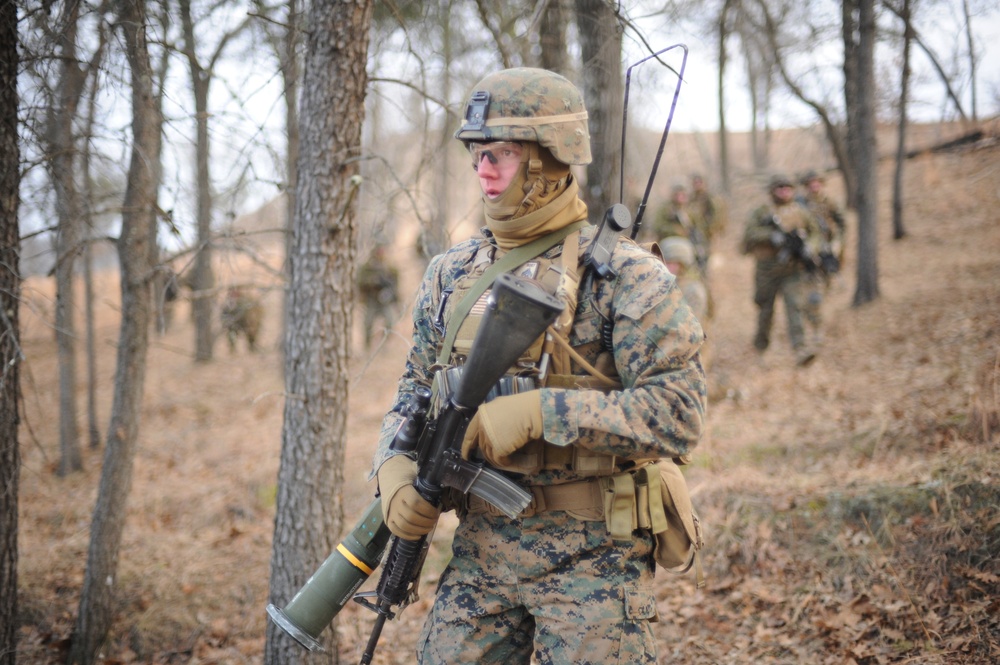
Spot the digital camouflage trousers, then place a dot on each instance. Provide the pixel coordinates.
(551, 585)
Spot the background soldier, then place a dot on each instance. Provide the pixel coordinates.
(677, 219)
(829, 213)
(706, 209)
(378, 283)
(784, 238)
(831, 253)
(564, 582)
(241, 314)
(678, 253)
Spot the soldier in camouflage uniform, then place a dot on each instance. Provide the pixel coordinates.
(768, 237)
(557, 584)
(378, 284)
(830, 215)
(241, 314)
(833, 227)
(676, 219)
(679, 255)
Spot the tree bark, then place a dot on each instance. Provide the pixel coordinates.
(62, 164)
(10, 351)
(723, 31)
(136, 250)
(309, 515)
(552, 38)
(898, 228)
(971, 44)
(203, 277)
(859, 93)
(603, 89)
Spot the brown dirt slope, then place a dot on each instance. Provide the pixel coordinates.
(850, 506)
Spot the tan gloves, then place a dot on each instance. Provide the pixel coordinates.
(406, 513)
(502, 426)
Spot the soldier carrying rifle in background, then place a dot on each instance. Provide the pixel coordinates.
(785, 239)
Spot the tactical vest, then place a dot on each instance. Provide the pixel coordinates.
(549, 362)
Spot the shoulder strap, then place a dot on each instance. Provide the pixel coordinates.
(508, 261)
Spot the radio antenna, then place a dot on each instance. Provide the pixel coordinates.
(663, 138)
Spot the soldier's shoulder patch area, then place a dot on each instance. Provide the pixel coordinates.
(643, 280)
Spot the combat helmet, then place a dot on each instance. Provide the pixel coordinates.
(529, 104)
(779, 180)
(677, 249)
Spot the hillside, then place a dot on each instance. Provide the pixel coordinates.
(850, 506)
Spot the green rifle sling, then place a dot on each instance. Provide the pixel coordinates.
(509, 261)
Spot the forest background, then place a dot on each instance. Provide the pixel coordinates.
(203, 503)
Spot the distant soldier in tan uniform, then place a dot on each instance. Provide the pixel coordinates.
(678, 253)
(566, 581)
(706, 207)
(378, 284)
(784, 238)
(241, 314)
(677, 219)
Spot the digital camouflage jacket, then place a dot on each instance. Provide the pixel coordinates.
(656, 338)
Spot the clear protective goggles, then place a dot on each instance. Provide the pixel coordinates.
(500, 153)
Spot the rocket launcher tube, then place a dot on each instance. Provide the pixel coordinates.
(336, 581)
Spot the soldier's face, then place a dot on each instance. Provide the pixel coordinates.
(783, 194)
(496, 164)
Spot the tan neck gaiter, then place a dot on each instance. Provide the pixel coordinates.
(542, 198)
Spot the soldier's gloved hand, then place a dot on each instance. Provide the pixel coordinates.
(502, 426)
(406, 513)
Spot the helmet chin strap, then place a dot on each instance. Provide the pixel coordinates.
(504, 206)
(534, 185)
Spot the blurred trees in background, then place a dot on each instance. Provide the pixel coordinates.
(157, 163)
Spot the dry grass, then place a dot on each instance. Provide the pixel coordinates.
(851, 506)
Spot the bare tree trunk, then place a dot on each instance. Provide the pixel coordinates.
(203, 277)
(723, 27)
(552, 38)
(317, 344)
(898, 230)
(61, 147)
(136, 248)
(972, 54)
(290, 73)
(436, 236)
(859, 90)
(603, 89)
(10, 350)
(834, 133)
(93, 429)
(916, 39)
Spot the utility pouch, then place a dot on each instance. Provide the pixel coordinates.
(678, 546)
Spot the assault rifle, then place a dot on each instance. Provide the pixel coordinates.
(518, 312)
(791, 245)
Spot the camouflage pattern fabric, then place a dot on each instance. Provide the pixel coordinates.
(656, 342)
(577, 595)
(241, 314)
(676, 220)
(378, 285)
(526, 596)
(528, 104)
(833, 221)
(773, 277)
